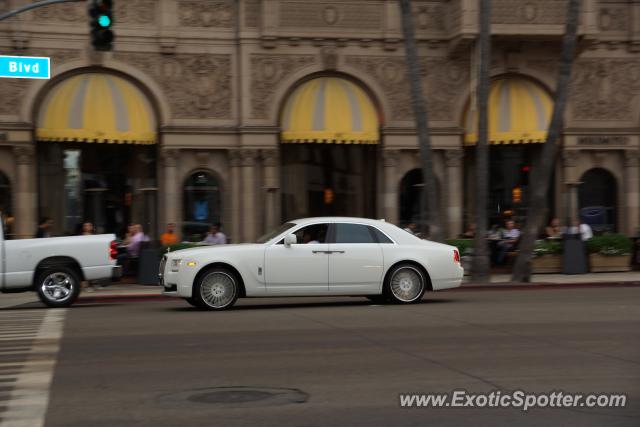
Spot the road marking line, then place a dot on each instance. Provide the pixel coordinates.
(29, 398)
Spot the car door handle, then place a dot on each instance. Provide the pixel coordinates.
(321, 252)
(336, 252)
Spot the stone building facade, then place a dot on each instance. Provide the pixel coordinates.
(216, 76)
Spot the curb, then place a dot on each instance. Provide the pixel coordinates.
(502, 286)
(540, 285)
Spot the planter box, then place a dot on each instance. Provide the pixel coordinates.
(546, 264)
(600, 263)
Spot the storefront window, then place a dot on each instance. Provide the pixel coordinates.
(202, 205)
(411, 202)
(5, 203)
(597, 199)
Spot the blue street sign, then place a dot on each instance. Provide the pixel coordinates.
(25, 67)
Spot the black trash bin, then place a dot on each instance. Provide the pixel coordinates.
(148, 266)
(574, 255)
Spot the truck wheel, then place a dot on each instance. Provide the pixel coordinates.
(216, 289)
(58, 286)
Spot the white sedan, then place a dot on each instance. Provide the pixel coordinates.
(326, 256)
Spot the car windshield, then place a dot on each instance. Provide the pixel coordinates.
(273, 233)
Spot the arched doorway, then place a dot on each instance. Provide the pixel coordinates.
(96, 134)
(519, 114)
(411, 201)
(201, 204)
(328, 150)
(597, 199)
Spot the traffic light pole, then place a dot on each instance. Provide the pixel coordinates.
(34, 6)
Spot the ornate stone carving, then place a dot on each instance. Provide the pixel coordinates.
(206, 13)
(271, 158)
(248, 157)
(528, 11)
(547, 66)
(361, 15)
(453, 158)
(12, 94)
(431, 17)
(598, 157)
(196, 85)
(24, 154)
(390, 158)
(570, 158)
(605, 89)
(614, 18)
(202, 158)
(64, 12)
(632, 158)
(137, 12)
(267, 72)
(329, 58)
(252, 12)
(4, 5)
(170, 157)
(442, 80)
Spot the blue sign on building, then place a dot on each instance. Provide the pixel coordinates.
(25, 67)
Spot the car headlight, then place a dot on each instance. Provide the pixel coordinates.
(175, 265)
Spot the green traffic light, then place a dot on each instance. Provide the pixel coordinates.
(104, 21)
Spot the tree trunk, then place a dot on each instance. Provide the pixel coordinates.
(541, 175)
(418, 104)
(480, 271)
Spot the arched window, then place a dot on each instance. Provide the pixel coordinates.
(597, 199)
(202, 204)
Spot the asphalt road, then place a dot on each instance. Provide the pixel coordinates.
(345, 361)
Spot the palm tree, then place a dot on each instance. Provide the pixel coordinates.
(480, 271)
(541, 175)
(418, 104)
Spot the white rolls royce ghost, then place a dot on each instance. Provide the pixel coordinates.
(325, 256)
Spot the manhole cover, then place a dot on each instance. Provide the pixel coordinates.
(235, 397)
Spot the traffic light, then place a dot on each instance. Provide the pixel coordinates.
(101, 20)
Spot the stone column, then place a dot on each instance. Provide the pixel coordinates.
(25, 198)
(453, 162)
(390, 206)
(236, 194)
(171, 191)
(570, 160)
(249, 212)
(632, 192)
(271, 187)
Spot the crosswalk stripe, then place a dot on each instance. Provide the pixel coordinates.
(27, 361)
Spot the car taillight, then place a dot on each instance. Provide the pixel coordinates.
(113, 250)
(456, 256)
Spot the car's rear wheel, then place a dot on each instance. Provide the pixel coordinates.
(405, 284)
(58, 286)
(216, 289)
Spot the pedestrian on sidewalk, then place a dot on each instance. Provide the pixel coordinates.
(43, 228)
(215, 236)
(169, 237)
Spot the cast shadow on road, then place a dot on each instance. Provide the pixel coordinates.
(40, 306)
(307, 304)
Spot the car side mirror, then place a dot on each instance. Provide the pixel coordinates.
(290, 239)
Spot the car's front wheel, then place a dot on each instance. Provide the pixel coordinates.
(216, 289)
(405, 284)
(58, 286)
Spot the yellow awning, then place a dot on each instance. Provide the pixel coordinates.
(329, 110)
(519, 113)
(96, 107)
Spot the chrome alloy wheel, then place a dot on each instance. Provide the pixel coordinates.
(57, 287)
(218, 289)
(407, 284)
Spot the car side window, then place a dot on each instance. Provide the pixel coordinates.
(380, 236)
(353, 233)
(316, 233)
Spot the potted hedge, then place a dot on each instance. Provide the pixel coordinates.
(610, 252)
(547, 257)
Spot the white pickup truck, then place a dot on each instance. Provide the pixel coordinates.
(54, 267)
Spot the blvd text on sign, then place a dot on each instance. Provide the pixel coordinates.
(25, 67)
